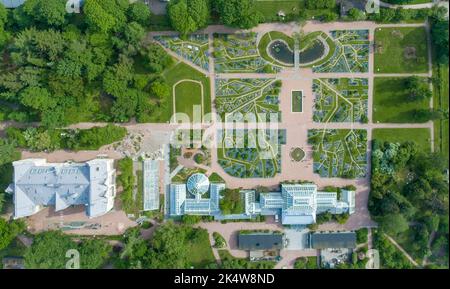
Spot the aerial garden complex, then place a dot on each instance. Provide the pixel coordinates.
(224, 134)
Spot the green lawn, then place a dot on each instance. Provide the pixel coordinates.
(200, 252)
(297, 101)
(391, 45)
(270, 8)
(187, 93)
(421, 136)
(390, 104)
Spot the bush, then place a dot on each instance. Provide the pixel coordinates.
(96, 137)
(219, 241)
(361, 235)
(306, 263)
(199, 158)
(191, 219)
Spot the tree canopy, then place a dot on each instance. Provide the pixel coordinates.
(238, 13)
(187, 16)
(9, 231)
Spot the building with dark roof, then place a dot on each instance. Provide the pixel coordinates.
(260, 241)
(333, 240)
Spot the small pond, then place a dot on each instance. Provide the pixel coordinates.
(280, 51)
(312, 53)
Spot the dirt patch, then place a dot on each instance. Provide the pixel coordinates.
(397, 34)
(410, 52)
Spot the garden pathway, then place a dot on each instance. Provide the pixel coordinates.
(402, 250)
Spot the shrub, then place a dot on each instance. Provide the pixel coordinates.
(219, 241)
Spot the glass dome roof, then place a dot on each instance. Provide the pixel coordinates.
(198, 184)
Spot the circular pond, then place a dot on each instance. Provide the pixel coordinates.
(281, 52)
(297, 154)
(313, 52)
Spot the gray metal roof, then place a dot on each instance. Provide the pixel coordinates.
(180, 204)
(38, 183)
(260, 241)
(151, 185)
(333, 240)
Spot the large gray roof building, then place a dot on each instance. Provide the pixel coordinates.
(335, 240)
(39, 184)
(260, 241)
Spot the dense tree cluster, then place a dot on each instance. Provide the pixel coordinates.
(61, 68)
(187, 16)
(409, 186)
(167, 249)
(49, 249)
(231, 203)
(8, 231)
(238, 13)
(439, 35)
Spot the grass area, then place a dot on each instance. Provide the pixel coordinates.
(270, 8)
(126, 179)
(292, 9)
(188, 98)
(297, 101)
(187, 95)
(421, 136)
(390, 104)
(230, 262)
(185, 173)
(216, 178)
(139, 201)
(401, 50)
(200, 252)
